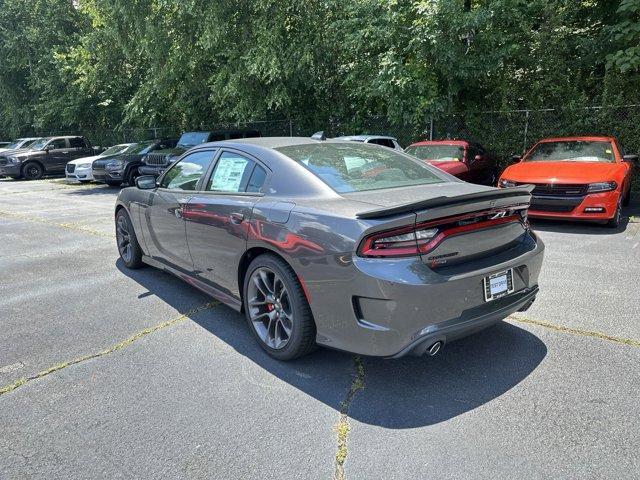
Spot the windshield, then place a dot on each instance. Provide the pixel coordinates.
(114, 150)
(572, 151)
(436, 152)
(193, 138)
(39, 144)
(359, 167)
(19, 143)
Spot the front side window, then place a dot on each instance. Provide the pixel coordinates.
(185, 174)
(352, 167)
(57, 144)
(572, 151)
(443, 153)
(232, 173)
(39, 144)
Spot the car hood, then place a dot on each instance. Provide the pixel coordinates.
(567, 172)
(450, 166)
(28, 153)
(78, 161)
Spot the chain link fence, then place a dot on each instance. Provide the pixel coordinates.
(504, 132)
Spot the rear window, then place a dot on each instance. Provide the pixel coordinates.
(572, 151)
(350, 167)
(436, 152)
(191, 139)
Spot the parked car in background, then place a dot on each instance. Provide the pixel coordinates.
(468, 161)
(575, 178)
(80, 169)
(353, 246)
(389, 142)
(157, 162)
(47, 155)
(123, 167)
(19, 144)
(4, 144)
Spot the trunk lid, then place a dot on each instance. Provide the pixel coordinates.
(459, 223)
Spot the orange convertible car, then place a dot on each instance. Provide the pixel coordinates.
(575, 178)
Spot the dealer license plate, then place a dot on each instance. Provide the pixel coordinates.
(498, 285)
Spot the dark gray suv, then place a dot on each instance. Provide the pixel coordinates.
(47, 155)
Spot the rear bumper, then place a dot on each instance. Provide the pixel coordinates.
(473, 321)
(396, 307)
(573, 208)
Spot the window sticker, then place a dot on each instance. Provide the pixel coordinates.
(228, 174)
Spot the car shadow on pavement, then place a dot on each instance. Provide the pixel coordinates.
(403, 393)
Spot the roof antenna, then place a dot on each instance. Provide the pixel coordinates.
(319, 135)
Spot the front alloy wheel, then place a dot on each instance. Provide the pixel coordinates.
(128, 246)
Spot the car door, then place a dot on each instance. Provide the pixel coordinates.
(218, 218)
(58, 155)
(166, 240)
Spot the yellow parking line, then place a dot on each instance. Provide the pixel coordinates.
(68, 226)
(118, 346)
(576, 331)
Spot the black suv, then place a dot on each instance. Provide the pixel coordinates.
(123, 167)
(45, 156)
(157, 162)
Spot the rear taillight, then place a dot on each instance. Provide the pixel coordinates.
(425, 237)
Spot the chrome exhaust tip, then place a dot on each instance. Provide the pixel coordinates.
(434, 349)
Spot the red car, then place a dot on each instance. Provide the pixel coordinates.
(467, 161)
(576, 178)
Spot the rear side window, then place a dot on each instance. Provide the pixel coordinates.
(77, 142)
(232, 173)
(257, 179)
(185, 174)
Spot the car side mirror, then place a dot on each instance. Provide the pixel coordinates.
(516, 158)
(633, 159)
(146, 182)
(46, 149)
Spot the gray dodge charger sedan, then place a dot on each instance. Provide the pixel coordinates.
(323, 242)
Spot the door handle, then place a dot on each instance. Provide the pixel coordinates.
(178, 212)
(236, 218)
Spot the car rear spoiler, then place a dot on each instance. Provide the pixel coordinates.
(498, 193)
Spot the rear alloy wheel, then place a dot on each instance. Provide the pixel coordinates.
(128, 246)
(617, 216)
(277, 309)
(32, 171)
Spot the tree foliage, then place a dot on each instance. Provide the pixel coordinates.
(192, 63)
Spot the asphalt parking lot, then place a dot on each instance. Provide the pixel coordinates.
(108, 373)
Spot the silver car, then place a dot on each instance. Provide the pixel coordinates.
(335, 243)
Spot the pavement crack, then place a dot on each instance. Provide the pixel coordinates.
(68, 226)
(576, 331)
(113, 348)
(342, 428)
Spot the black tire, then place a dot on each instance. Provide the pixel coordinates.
(113, 183)
(627, 199)
(131, 177)
(84, 181)
(32, 171)
(125, 235)
(617, 216)
(303, 331)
